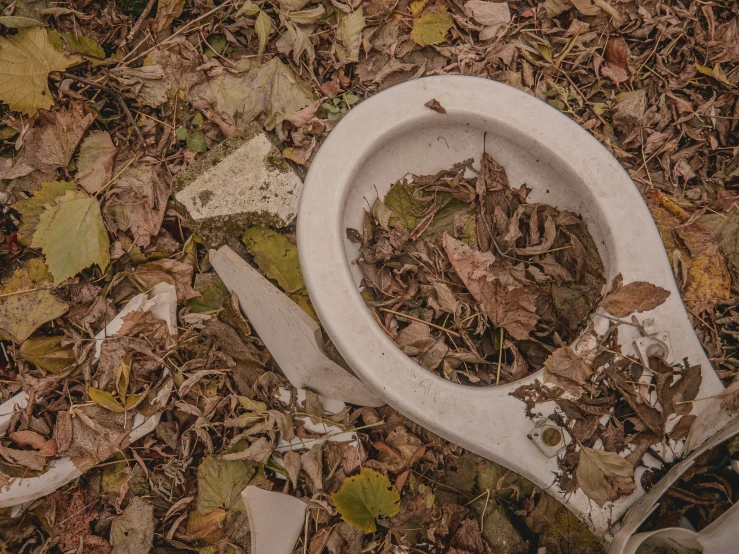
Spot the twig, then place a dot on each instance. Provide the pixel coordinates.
(114, 177)
(22, 291)
(500, 357)
(116, 95)
(144, 14)
(439, 327)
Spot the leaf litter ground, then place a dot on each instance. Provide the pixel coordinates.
(163, 81)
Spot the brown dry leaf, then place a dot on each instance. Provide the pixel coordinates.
(604, 475)
(435, 105)
(26, 458)
(676, 397)
(616, 55)
(709, 280)
(259, 451)
(51, 143)
(95, 161)
(638, 296)
(312, 462)
(27, 438)
(138, 201)
(146, 84)
(167, 12)
(566, 369)
(291, 459)
(514, 309)
(170, 271)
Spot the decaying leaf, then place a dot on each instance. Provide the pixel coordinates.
(349, 36)
(70, 43)
(26, 302)
(435, 105)
(178, 274)
(604, 476)
(146, 84)
(263, 27)
(364, 497)
(47, 353)
(566, 369)
(133, 531)
(95, 161)
(26, 59)
(638, 296)
(72, 236)
(220, 483)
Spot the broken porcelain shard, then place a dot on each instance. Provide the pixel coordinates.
(161, 301)
(275, 520)
(393, 134)
(292, 337)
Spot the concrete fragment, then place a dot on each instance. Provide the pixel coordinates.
(243, 181)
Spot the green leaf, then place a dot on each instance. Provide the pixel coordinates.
(448, 205)
(47, 353)
(181, 133)
(6, 132)
(32, 208)
(403, 205)
(349, 36)
(220, 483)
(85, 46)
(104, 399)
(277, 258)
(18, 22)
(432, 27)
(198, 119)
(26, 302)
(217, 45)
(196, 142)
(72, 236)
(211, 300)
(133, 400)
(263, 27)
(350, 99)
(364, 497)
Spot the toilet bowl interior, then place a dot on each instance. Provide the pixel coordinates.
(427, 147)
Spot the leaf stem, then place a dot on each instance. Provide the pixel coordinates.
(23, 291)
(421, 321)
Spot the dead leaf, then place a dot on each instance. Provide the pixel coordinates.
(435, 105)
(95, 161)
(638, 297)
(138, 201)
(312, 462)
(167, 12)
(133, 532)
(513, 309)
(604, 476)
(145, 84)
(616, 56)
(566, 369)
(170, 271)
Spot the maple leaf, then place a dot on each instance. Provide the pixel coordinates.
(72, 236)
(26, 59)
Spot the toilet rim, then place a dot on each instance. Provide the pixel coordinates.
(422, 396)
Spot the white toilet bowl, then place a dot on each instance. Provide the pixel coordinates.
(393, 134)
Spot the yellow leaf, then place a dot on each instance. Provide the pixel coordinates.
(124, 372)
(133, 400)
(26, 59)
(47, 353)
(26, 302)
(432, 27)
(72, 235)
(709, 280)
(105, 399)
(349, 36)
(32, 208)
(263, 27)
(417, 7)
(364, 497)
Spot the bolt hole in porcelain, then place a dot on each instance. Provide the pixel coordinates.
(393, 134)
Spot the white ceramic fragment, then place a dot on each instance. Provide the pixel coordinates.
(290, 335)
(275, 520)
(161, 301)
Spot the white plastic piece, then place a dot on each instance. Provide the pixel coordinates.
(291, 336)
(275, 520)
(393, 134)
(161, 301)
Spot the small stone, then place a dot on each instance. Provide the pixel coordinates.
(242, 182)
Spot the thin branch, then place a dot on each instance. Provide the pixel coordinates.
(116, 95)
(140, 22)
